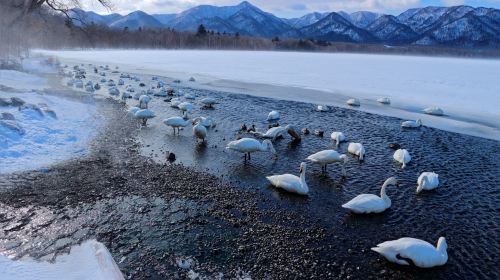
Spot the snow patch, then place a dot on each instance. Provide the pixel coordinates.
(90, 260)
(45, 130)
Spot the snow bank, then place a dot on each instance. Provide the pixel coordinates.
(20, 80)
(45, 130)
(91, 260)
(467, 89)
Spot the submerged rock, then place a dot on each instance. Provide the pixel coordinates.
(16, 101)
(7, 116)
(13, 126)
(5, 102)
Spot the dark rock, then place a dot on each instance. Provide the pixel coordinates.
(16, 101)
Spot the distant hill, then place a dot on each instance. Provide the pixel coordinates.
(461, 26)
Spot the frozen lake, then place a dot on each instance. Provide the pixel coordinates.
(467, 89)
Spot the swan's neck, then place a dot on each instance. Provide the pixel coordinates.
(383, 195)
(263, 147)
(441, 247)
(303, 183)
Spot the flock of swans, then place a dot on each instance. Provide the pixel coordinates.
(404, 251)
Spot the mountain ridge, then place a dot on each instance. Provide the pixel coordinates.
(462, 26)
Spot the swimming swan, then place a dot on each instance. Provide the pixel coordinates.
(411, 124)
(273, 116)
(291, 183)
(250, 145)
(421, 253)
(326, 157)
(402, 156)
(370, 203)
(338, 137)
(427, 181)
(357, 149)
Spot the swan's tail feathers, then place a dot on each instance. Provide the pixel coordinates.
(347, 206)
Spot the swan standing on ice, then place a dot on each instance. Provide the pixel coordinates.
(384, 100)
(427, 181)
(208, 102)
(402, 156)
(419, 252)
(176, 122)
(338, 137)
(144, 115)
(436, 111)
(250, 145)
(357, 149)
(200, 131)
(353, 102)
(326, 157)
(412, 124)
(144, 101)
(273, 116)
(370, 203)
(291, 183)
(186, 107)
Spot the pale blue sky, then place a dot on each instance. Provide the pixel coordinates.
(285, 8)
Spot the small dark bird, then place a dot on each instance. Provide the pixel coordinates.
(243, 127)
(394, 146)
(170, 156)
(305, 131)
(252, 129)
(319, 133)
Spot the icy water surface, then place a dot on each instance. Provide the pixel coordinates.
(149, 213)
(464, 209)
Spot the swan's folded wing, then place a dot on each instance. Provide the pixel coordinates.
(364, 203)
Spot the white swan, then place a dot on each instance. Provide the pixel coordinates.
(124, 96)
(402, 156)
(207, 122)
(338, 137)
(353, 102)
(272, 133)
(144, 115)
(275, 132)
(357, 149)
(208, 102)
(436, 111)
(144, 101)
(427, 181)
(176, 122)
(384, 100)
(174, 103)
(421, 253)
(273, 116)
(370, 203)
(322, 108)
(186, 107)
(412, 124)
(250, 145)
(326, 157)
(132, 110)
(200, 131)
(291, 183)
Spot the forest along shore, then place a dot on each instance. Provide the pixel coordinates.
(152, 214)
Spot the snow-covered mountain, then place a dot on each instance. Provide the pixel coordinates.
(335, 27)
(453, 26)
(136, 20)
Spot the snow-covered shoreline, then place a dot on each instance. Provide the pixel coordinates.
(465, 88)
